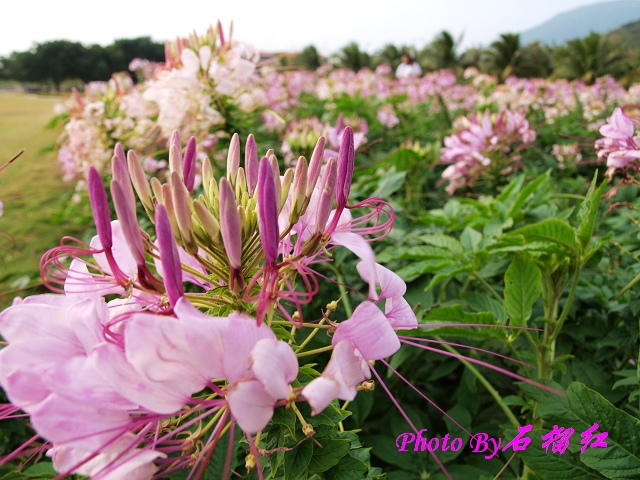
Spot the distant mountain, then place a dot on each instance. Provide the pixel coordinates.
(628, 35)
(577, 23)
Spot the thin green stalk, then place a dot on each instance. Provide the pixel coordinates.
(492, 391)
(567, 306)
(488, 287)
(313, 352)
(344, 295)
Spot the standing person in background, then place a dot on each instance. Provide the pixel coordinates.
(408, 68)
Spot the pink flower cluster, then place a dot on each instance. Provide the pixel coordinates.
(620, 143)
(184, 94)
(121, 372)
(483, 143)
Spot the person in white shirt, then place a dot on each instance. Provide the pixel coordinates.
(408, 68)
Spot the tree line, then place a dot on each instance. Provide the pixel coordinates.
(585, 58)
(51, 63)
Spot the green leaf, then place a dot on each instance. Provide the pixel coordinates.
(449, 272)
(522, 288)
(329, 455)
(580, 410)
(285, 417)
(444, 241)
(297, 460)
(470, 239)
(549, 465)
(525, 194)
(349, 468)
(589, 211)
(484, 303)
(390, 184)
(551, 230)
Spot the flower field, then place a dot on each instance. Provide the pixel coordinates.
(284, 274)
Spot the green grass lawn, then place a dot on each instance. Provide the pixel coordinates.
(33, 193)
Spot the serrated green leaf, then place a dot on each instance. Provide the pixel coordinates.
(297, 460)
(286, 418)
(551, 230)
(470, 239)
(522, 288)
(484, 303)
(580, 410)
(549, 465)
(525, 194)
(349, 468)
(444, 241)
(589, 211)
(390, 184)
(329, 455)
(449, 272)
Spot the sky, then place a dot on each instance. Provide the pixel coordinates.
(274, 25)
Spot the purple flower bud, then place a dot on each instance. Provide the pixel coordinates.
(233, 158)
(230, 224)
(346, 158)
(140, 183)
(127, 215)
(340, 123)
(120, 173)
(189, 164)
(172, 270)
(175, 159)
(300, 181)
(251, 163)
(182, 211)
(220, 34)
(315, 165)
(325, 203)
(100, 208)
(268, 212)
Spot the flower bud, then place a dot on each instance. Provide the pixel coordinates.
(268, 212)
(182, 210)
(315, 165)
(327, 187)
(172, 270)
(140, 183)
(299, 190)
(233, 158)
(189, 165)
(346, 158)
(251, 163)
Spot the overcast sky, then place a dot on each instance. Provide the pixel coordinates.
(273, 25)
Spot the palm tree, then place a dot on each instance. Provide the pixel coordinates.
(390, 54)
(588, 58)
(504, 56)
(309, 58)
(350, 56)
(441, 52)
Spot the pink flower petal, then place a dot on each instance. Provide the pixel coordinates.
(251, 405)
(369, 330)
(79, 424)
(111, 363)
(275, 365)
(157, 349)
(391, 285)
(399, 313)
(204, 335)
(242, 335)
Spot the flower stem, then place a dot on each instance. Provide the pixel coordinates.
(492, 391)
(317, 350)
